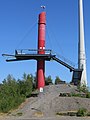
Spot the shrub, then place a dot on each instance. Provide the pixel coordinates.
(75, 95)
(82, 89)
(88, 114)
(82, 112)
(88, 95)
(48, 80)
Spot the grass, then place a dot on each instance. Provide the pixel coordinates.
(38, 114)
(67, 113)
(19, 114)
(82, 112)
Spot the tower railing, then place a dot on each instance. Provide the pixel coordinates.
(31, 51)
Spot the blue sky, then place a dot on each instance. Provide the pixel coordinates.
(18, 30)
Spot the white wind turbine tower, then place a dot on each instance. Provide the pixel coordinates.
(81, 45)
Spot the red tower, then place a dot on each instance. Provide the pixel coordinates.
(41, 50)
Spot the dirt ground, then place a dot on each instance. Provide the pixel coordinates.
(48, 118)
(48, 104)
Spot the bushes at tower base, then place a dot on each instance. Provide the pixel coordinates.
(13, 92)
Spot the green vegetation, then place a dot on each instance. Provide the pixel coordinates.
(67, 113)
(48, 80)
(82, 91)
(88, 95)
(83, 88)
(19, 114)
(57, 80)
(78, 95)
(82, 112)
(88, 114)
(82, 95)
(13, 92)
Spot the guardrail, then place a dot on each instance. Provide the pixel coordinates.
(32, 51)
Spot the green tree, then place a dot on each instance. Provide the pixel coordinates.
(29, 85)
(13, 92)
(26, 85)
(24, 77)
(57, 80)
(48, 80)
(9, 94)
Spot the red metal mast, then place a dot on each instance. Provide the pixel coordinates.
(41, 50)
